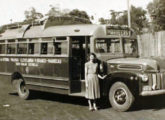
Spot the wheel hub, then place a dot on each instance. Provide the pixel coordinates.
(120, 96)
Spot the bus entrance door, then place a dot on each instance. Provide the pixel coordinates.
(79, 56)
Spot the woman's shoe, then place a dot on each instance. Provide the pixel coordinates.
(91, 108)
(95, 108)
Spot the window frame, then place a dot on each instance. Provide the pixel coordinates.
(39, 41)
(109, 53)
(55, 40)
(11, 42)
(22, 41)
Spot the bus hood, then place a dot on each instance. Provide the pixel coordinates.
(147, 64)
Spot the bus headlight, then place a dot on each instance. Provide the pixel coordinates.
(144, 77)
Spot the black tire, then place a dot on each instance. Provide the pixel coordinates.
(120, 97)
(22, 91)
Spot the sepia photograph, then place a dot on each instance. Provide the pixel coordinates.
(82, 60)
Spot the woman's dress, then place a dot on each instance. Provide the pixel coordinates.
(93, 89)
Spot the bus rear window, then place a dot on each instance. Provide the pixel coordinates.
(107, 46)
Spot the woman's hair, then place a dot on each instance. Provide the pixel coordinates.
(92, 54)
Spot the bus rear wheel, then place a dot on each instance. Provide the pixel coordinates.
(120, 97)
(22, 91)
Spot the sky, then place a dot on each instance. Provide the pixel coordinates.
(14, 9)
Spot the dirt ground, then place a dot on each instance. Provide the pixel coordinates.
(47, 106)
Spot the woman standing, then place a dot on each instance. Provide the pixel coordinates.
(92, 81)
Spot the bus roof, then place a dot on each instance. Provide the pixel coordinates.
(28, 31)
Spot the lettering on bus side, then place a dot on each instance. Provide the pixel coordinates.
(33, 62)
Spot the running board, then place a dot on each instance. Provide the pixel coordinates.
(81, 94)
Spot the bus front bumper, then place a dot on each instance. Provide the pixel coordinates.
(152, 93)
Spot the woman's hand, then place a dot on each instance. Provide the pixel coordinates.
(102, 77)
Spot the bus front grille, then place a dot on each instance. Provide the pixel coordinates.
(157, 81)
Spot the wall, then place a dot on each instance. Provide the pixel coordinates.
(152, 44)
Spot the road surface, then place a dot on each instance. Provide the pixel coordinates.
(47, 106)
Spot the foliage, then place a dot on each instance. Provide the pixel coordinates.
(156, 9)
(138, 18)
(32, 15)
(55, 11)
(102, 20)
(80, 14)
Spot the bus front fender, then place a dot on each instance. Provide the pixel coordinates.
(128, 78)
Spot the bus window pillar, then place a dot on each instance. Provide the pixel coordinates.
(69, 46)
(92, 46)
(27, 46)
(121, 45)
(86, 47)
(39, 47)
(16, 46)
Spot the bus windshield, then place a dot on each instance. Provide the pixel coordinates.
(130, 47)
(107, 45)
(113, 46)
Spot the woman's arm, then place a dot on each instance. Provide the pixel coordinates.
(102, 77)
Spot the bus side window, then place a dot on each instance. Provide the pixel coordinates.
(22, 48)
(107, 46)
(2, 48)
(11, 48)
(57, 49)
(31, 48)
(60, 48)
(44, 48)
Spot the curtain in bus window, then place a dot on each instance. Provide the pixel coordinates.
(2, 48)
(22, 48)
(36, 48)
(33, 48)
(50, 48)
(107, 46)
(11, 48)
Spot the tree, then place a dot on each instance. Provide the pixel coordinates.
(80, 14)
(138, 18)
(156, 9)
(114, 17)
(32, 15)
(102, 20)
(54, 11)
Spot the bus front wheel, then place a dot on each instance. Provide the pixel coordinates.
(120, 97)
(22, 91)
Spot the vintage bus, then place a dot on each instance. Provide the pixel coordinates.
(50, 57)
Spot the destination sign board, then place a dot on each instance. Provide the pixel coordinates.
(118, 31)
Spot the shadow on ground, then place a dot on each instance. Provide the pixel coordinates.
(152, 102)
(143, 103)
(103, 103)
